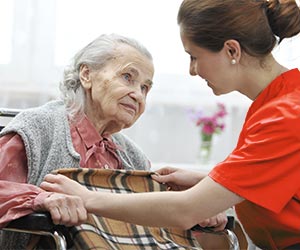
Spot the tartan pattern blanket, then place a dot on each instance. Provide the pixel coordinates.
(103, 233)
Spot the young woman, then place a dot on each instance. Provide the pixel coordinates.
(230, 44)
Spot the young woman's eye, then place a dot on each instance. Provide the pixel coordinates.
(192, 58)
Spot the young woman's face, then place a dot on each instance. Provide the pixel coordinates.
(117, 93)
(214, 67)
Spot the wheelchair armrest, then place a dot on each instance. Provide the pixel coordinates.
(36, 221)
(229, 226)
(40, 221)
(9, 112)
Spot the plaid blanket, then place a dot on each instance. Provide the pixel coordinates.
(103, 233)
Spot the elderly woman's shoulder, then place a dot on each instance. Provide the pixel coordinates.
(121, 139)
(131, 154)
(125, 142)
(42, 115)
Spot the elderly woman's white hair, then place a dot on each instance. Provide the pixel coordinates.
(95, 55)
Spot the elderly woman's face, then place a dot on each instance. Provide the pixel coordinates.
(116, 94)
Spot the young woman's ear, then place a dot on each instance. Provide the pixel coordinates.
(233, 50)
(85, 77)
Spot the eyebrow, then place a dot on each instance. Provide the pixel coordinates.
(149, 82)
(136, 73)
(132, 70)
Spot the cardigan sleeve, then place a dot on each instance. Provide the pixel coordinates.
(17, 198)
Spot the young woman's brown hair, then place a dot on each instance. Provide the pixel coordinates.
(257, 25)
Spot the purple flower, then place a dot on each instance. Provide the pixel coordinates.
(209, 125)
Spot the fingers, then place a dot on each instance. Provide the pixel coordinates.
(50, 177)
(55, 178)
(161, 178)
(56, 183)
(217, 222)
(66, 203)
(50, 187)
(55, 215)
(206, 223)
(65, 209)
(49, 182)
(166, 170)
(164, 175)
(221, 222)
(171, 181)
(219, 227)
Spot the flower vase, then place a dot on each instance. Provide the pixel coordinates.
(205, 148)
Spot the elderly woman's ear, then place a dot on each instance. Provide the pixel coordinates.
(85, 77)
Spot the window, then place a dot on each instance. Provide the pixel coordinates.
(39, 37)
(153, 23)
(6, 29)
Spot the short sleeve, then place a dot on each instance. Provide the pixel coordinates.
(264, 167)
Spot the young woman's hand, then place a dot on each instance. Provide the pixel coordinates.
(177, 179)
(217, 223)
(61, 184)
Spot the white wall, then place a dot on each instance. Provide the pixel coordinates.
(38, 37)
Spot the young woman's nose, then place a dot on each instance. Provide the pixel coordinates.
(193, 71)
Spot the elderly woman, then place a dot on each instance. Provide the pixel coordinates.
(103, 91)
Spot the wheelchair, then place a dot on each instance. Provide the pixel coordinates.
(40, 223)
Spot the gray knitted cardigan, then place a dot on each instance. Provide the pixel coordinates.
(45, 132)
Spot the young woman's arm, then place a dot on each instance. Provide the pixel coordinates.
(181, 209)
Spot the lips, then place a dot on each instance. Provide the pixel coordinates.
(130, 107)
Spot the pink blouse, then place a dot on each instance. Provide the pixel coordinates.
(17, 198)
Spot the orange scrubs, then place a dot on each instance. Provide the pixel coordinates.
(264, 168)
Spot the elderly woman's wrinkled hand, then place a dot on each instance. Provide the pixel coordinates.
(65, 210)
(66, 205)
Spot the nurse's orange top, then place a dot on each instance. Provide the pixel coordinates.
(264, 168)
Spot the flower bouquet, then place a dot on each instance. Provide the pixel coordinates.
(209, 125)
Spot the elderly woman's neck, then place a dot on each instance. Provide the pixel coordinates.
(107, 129)
(104, 127)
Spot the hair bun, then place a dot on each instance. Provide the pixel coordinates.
(284, 17)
